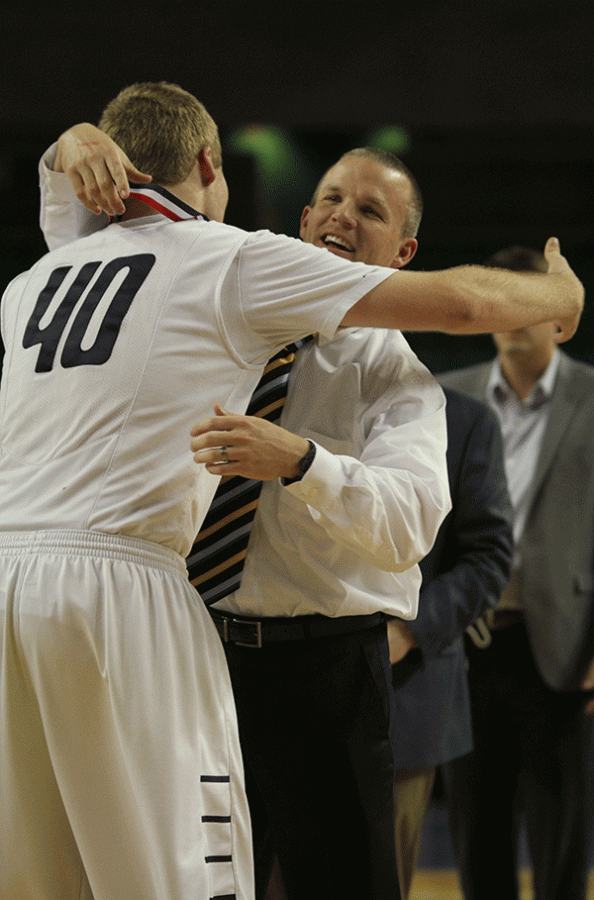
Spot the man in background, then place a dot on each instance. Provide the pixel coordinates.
(531, 687)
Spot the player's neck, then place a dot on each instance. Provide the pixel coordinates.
(136, 209)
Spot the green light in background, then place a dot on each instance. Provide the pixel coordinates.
(393, 138)
(284, 177)
(272, 148)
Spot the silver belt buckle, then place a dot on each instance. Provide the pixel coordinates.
(256, 643)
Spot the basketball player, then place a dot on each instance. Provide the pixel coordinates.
(118, 746)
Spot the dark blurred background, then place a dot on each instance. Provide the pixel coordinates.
(490, 105)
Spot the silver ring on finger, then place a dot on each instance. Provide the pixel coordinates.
(224, 456)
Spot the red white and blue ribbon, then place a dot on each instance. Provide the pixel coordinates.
(164, 202)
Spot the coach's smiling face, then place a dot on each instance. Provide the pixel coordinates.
(359, 212)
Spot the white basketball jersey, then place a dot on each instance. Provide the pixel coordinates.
(118, 343)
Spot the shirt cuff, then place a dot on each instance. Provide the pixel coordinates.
(322, 480)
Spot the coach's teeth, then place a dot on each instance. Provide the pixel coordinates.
(338, 242)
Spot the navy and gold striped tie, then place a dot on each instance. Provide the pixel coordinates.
(215, 563)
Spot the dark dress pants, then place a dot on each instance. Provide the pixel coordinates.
(532, 759)
(314, 727)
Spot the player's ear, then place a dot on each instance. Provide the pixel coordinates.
(205, 164)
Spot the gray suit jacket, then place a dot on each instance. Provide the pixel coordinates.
(557, 547)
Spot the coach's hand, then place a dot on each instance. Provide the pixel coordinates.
(247, 445)
(98, 169)
(570, 284)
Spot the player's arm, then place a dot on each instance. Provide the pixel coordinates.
(475, 299)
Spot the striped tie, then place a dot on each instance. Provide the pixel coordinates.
(216, 560)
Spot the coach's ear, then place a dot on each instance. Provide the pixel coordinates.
(207, 170)
(303, 223)
(405, 253)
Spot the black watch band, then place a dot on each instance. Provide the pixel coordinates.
(303, 464)
(306, 461)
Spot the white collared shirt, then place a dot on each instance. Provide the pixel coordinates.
(523, 423)
(346, 539)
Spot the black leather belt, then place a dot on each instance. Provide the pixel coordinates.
(245, 631)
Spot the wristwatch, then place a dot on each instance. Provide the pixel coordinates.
(303, 464)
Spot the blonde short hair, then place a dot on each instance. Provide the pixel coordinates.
(162, 129)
